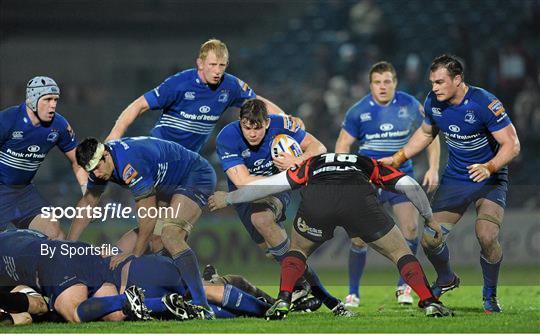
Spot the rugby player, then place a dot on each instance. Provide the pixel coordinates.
(159, 174)
(383, 121)
(27, 133)
(244, 149)
(481, 142)
(338, 192)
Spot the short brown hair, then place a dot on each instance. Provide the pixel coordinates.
(254, 112)
(219, 48)
(381, 67)
(451, 63)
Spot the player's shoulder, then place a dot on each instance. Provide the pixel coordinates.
(363, 104)
(182, 79)
(229, 132)
(10, 113)
(480, 95)
(60, 120)
(282, 122)
(234, 82)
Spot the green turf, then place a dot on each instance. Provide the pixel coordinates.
(378, 313)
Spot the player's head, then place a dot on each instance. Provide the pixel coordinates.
(95, 157)
(382, 82)
(212, 61)
(254, 121)
(42, 95)
(446, 76)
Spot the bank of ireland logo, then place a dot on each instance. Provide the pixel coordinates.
(34, 148)
(469, 117)
(454, 128)
(386, 127)
(204, 109)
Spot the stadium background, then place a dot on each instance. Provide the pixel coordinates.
(309, 57)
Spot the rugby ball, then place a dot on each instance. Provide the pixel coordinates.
(284, 143)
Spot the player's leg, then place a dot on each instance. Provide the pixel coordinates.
(235, 300)
(488, 223)
(265, 216)
(393, 246)
(357, 263)
(245, 285)
(407, 218)
(67, 302)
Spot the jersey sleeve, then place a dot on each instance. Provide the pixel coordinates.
(381, 175)
(227, 150)
(66, 139)
(351, 123)
(165, 94)
(493, 112)
(6, 122)
(428, 112)
(293, 129)
(243, 93)
(138, 181)
(299, 176)
(418, 111)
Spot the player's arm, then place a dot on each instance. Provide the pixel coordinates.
(344, 142)
(146, 224)
(240, 176)
(420, 140)
(80, 173)
(255, 190)
(89, 200)
(275, 109)
(127, 117)
(431, 178)
(509, 148)
(310, 147)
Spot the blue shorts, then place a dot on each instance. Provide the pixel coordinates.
(245, 211)
(198, 185)
(395, 198)
(455, 195)
(59, 273)
(156, 275)
(19, 205)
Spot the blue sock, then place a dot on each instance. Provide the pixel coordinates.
(237, 300)
(490, 272)
(357, 263)
(413, 245)
(187, 264)
(280, 250)
(318, 290)
(94, 309)
(155, 305)
(222, 313)
(440, 258)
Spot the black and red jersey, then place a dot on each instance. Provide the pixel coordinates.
(346, 169)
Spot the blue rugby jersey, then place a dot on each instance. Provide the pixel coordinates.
(467, 129)
(192, 108)
(147, 165)
(233, 149)
(23, 146)
(383, 130)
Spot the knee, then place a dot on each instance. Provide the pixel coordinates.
(262, 221)
(487, 236)
(358, 243)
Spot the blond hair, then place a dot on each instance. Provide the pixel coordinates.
(219, 48)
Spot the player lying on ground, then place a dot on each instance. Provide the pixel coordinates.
(338, 192)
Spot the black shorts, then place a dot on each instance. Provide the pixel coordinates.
(353, 207)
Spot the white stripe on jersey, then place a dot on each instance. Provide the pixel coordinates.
(199, 126)
(162, 171)
(19, 163)
(189, 130)
(467, 145)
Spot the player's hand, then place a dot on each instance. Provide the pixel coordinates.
(285, 161)
(479, 172)
(116, 260)
(217, 200)
(298, 122)
(386, 160)
(438, 234)
(431, 180)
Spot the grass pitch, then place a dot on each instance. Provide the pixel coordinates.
(378, 313)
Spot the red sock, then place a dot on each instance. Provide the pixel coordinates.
(412, 273)
(293, 267)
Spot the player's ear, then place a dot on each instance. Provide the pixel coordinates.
(267, 123)
(200, 64)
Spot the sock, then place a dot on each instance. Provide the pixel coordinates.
(280, 250)
(93, 309)
(239, 301)
(490, 272)
(413, 245)
(187, 264)
(318, 290)
(222, 313)
(293, 267)
(440, 258)
(411, 271)
(155, 305)
(357, 263)
(244, 285)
